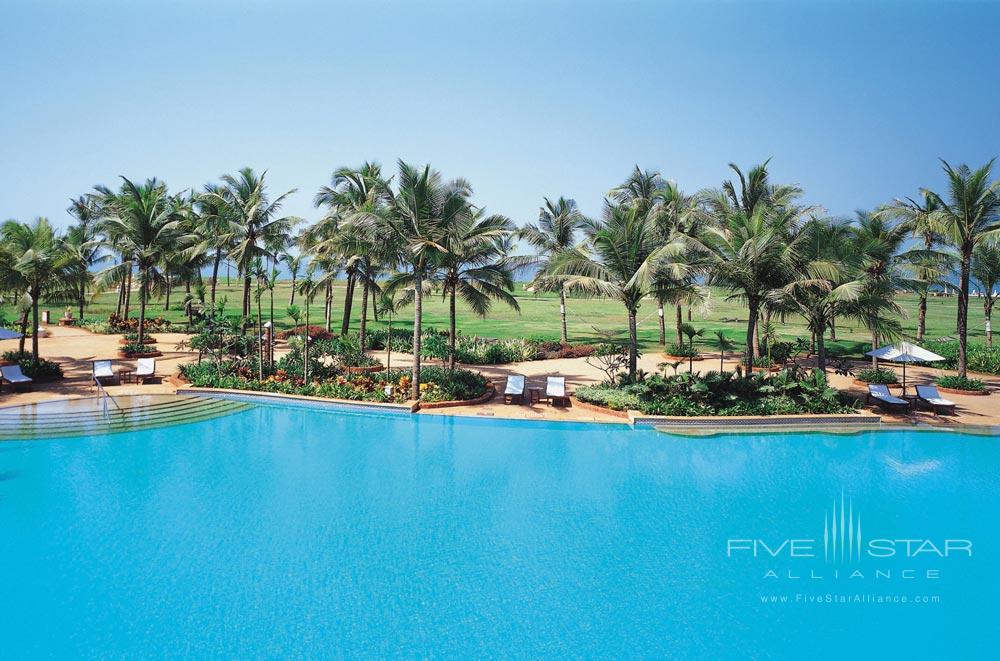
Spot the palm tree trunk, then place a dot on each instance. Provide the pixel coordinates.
(678, 321)
(874, 347)
(418, 309)
(689, 313)
(121, 297)
(988, 313)
(24, 329)
(83, 298)
(345, 323)
(963, 312)
(451, 327)
(821, 349)
(170, 286)
(270, 331)
(363, 326)
(633, 345)
(260, 341)
(833, 328)
(246, 295)
(215, 273)
(34, 324)
(562, 313)
(305, 344)
(328, 307)
(663, 324)
(922, 318)
(751, 327)
(128, 289)
(142, 306)
(291, 299)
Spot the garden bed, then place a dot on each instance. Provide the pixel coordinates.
(490, 393)
(958, 391)
(136, 355)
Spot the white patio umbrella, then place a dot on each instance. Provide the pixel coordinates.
(904, 353)
(6, 334)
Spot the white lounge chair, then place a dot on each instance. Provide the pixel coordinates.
(145, 369)
(555, 390)
(103, 371)
(929, 396)
(514, 392)
(880, 393)
(13, 375)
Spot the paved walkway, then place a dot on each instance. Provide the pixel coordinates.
(75, 348)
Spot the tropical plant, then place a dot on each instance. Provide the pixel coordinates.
(252, 228)
(142, 221)
(42, 264)
(554, 233)
(624, 255)
(723, 344)
(986, 271)
(969, 218)
(420, 213)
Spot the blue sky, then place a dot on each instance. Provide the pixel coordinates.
(854, 101)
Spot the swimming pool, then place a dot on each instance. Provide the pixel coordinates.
(278, 531)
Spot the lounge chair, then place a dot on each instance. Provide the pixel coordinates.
(514, 392)
(104, 372)
(555, 391)
(929, 396)
(12, 374)
(145, 369)
(880, 393)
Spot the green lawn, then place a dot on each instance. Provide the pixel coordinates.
(539, 317)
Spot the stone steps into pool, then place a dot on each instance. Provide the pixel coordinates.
(83, 417)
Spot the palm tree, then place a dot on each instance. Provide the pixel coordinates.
(876, 242)
(353, 193)
(252, 227)
(213, 222)
(553, 234)
(143, 222)
(970, 218)
(928, 264)
(294, 263)
(474, 266)
(723, 344)
(691, 332)
(420, 213)
(623, 258)
(42, 262)
(751, 256)
(83, 245)
(986, 271)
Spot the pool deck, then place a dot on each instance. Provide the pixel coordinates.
(75, 348)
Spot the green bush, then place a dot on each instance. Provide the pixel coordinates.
(877, 375)
(981, 358)
(131, 347)
(681, 351)
(438, 384)
(722, 394)
(45, 370)
(961, 383)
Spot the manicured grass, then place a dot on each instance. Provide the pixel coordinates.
(539, 317)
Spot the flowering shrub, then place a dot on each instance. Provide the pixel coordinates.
(315, 332)
(119, 324)
(46, 370)
(438, 384)
(722, 394)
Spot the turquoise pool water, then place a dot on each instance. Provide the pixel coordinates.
(284, 531)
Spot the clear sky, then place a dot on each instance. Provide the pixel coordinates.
(854, 101)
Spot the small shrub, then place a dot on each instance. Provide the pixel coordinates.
(315, 332)
(137, 347)
(877, 375)
(961, 383)
(681, 351)
(45, 370)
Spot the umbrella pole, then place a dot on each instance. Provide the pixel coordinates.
(904, 378)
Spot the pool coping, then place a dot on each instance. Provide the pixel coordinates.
(411, 406)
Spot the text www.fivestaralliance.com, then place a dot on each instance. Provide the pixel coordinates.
(849, 598)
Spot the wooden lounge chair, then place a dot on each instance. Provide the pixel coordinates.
(880, 393)
(13, 375)
(930, 397)
(555, 391)
(103, 372)
(514, 392)
(145, 370)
